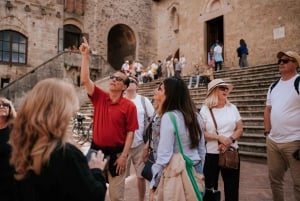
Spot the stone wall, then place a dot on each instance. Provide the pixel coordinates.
(41, 29)
(255, 21)
(160, 28)
(64, 66)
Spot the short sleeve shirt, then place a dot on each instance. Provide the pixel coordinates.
(112, 121)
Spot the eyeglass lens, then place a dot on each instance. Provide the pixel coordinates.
(4, 105)
(223, 88)
(285, 61)
(119, 79)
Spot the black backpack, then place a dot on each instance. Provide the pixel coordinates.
(296, 84)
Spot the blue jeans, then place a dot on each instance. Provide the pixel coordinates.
(194, 79)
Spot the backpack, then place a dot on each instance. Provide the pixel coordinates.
(296, 84)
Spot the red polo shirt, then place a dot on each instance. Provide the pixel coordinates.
(112, 121)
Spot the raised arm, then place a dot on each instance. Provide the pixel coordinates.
(85, 71)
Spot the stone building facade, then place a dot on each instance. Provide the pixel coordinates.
(144, 30)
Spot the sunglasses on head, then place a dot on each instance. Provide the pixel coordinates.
(223, 88)
(4, 105)
(285, 61)
(119, 79)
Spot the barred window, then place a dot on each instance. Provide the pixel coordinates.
(13, 47)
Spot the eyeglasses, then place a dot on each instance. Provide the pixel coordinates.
(285, 61)
(119, 79)
(222, 88)
(4, 105)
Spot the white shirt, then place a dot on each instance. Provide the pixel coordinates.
(285, 112)
(226, 119)
(138, 134)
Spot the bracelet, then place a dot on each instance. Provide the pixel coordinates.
(266, 133)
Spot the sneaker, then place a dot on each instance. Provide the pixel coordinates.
(196, 86)
(189, 87)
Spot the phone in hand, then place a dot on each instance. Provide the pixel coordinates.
(89, 154)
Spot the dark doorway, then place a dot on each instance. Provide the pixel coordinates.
(176, 55)
(72, 36)
(121, 45)
(215, 31)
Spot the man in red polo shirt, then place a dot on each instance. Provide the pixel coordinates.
(115, 120)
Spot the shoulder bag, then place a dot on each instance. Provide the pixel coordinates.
(196, 179)
(230, 158)
(147, 170)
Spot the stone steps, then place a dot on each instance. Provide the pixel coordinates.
(249, 95)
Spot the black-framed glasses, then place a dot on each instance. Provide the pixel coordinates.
(222, 88)
(284, 61)
(6, 105)
(119, 79)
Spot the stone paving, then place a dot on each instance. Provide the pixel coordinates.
(254, 184)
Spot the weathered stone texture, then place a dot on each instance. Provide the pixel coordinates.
(159, 28)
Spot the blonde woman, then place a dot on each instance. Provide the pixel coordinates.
(7, 115)
(47, 165)
(229, 130)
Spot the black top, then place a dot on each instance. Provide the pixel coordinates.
(66, 177)
(6, 171)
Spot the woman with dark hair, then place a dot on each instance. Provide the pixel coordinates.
(172, 95)
(48, 166)
(242, 52)
(7, 115)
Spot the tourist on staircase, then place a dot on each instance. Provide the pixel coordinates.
(7, 115)
(282, 128)
(145, 111)
(115, 120)
(223, 127)
(48, 166)
(173, 100)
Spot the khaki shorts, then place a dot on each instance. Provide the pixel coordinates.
(135, 157)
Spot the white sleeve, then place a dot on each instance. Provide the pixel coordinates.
(149, 107)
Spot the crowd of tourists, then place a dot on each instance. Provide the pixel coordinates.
(176, 150)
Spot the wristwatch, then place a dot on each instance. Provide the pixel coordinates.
(232, 139)
(266, 133)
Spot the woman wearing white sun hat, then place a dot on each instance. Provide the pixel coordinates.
(229, 129)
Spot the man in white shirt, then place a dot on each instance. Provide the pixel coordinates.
(144, 107)
(282, 128)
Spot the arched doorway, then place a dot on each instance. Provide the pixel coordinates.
(72, 36)
(121, 45)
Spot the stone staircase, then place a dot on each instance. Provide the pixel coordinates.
(249, 95)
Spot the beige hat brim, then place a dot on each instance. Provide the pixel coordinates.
(290, 54)
(230, 88)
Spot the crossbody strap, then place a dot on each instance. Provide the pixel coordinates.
(214, 120)
(188, 161)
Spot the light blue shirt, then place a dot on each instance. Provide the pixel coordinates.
(168, 145)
